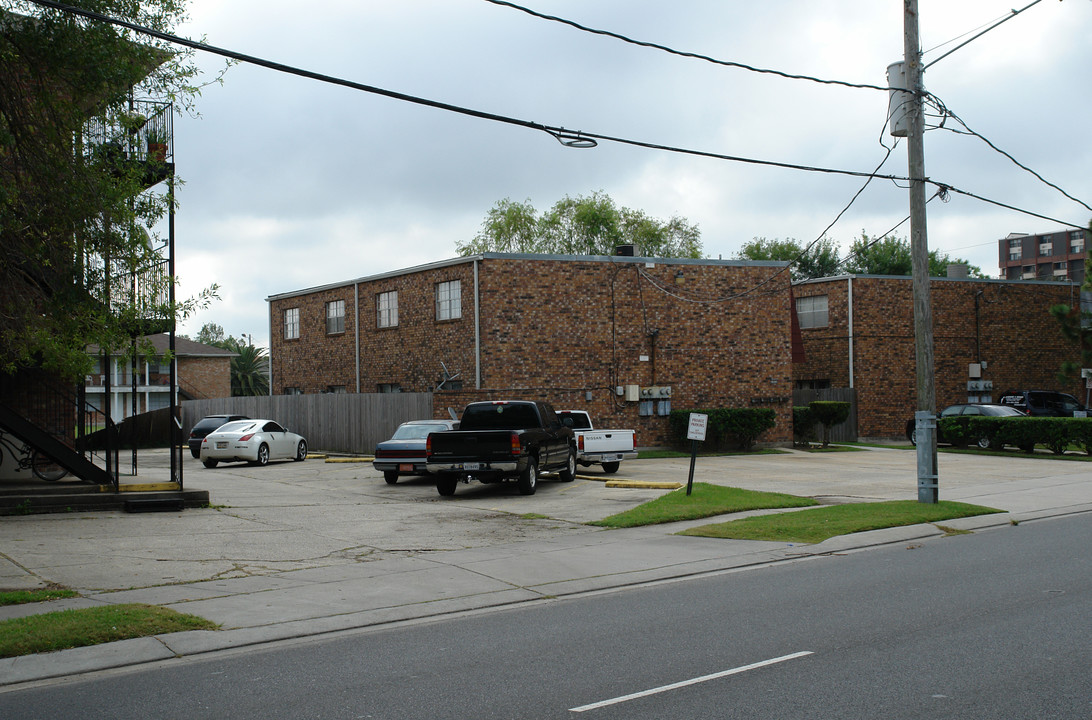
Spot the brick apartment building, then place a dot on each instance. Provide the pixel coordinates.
(204, 371)
(1058, 255)
(626, 338)
(858, 332)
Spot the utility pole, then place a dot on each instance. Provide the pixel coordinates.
(925, 417)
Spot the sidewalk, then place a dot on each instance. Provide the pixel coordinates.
(294, 550)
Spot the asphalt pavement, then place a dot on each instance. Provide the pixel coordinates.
(295, 550)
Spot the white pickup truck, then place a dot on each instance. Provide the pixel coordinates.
(598, 447)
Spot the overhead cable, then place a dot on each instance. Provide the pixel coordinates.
(696, 56)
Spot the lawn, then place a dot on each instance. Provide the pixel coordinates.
(818, 524)
(705, 501)
(91, 626)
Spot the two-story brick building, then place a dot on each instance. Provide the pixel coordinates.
(626, 338)
(989, 336)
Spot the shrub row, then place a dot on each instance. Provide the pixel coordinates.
(1024, 433)
(728, 428)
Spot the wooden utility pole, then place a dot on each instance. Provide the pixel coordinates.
(928, 479)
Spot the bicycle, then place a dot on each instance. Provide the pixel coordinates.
(27, 458)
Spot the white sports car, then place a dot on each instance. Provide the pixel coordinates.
(253, 441)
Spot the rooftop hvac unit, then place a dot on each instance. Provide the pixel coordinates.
(625, 250)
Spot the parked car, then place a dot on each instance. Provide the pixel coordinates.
(253, 441)
(964, 409)
(596, 446)
(206, 425)
(1042, 403)
(499, 441)
(404, 453)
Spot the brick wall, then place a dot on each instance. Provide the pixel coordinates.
(561, 329)
(209, 376)
(1014, 334)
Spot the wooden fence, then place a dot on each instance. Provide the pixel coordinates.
(844, 432)
(336, 422)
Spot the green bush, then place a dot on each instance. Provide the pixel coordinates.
(803, 423)
(1023, 432)
(829, 413)
(727, 428)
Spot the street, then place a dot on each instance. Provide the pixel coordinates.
(984, 625)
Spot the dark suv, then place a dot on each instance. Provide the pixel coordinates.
(1042, 403)
(206, 425)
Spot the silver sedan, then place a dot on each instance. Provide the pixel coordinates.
(253, 441)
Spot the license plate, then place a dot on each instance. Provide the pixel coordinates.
(611, 458)
(221, 446)
(405, 467)
(470, 466)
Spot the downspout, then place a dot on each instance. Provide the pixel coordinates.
(851, 331)
(477, 331)
(356, 330)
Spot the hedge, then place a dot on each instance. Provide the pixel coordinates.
(727, 427)
(829, 413)
(803, 423)
(1024, 433)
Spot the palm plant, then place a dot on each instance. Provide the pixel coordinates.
(249, 371)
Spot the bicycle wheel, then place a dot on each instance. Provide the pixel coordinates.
(46, 468)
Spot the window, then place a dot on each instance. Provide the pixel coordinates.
(293, 390)
(335, 317)
(292, 324)
(1016, 242)
(812, 311)
(336, 389)
(1015, 255)
(386, 305)
(388, 388)
(1046, 248)
(449, 300)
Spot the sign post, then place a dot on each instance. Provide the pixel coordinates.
(695, 433)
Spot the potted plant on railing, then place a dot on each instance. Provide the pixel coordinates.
(157, 145)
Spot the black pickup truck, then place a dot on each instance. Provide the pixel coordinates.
(502, 440)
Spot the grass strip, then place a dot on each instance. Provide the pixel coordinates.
(812, 526)
(65, 629)
(704, 501)
(22, 597)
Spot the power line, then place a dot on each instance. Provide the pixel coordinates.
(945, 112)
(696, 56)
(569, 138)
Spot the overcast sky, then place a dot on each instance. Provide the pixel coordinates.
(291, 183)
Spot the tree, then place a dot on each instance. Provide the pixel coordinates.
(820, 259)
(592, 225)
(891, 256)
(75, 210)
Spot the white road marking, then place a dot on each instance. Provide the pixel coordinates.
(693, 681)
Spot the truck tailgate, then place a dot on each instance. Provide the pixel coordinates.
(472, 445)
(607, 441)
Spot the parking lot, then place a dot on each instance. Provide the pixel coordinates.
(296, 515)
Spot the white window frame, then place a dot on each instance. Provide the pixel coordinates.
(449, 300)
(813, 311)
(386, 309)
(292, 324)
(335, 317)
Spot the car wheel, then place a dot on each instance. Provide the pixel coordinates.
(569, 473)
(263, 455)
(984, 443)
(391, 476)
(210, 463)
(528, 479)
(196, 453)
(445, 485)
(912, 436)
(610, 467)
(301, 451)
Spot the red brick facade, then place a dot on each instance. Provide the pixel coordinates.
(563, 329)
(1011, 331)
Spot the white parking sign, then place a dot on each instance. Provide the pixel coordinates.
(696, 429)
